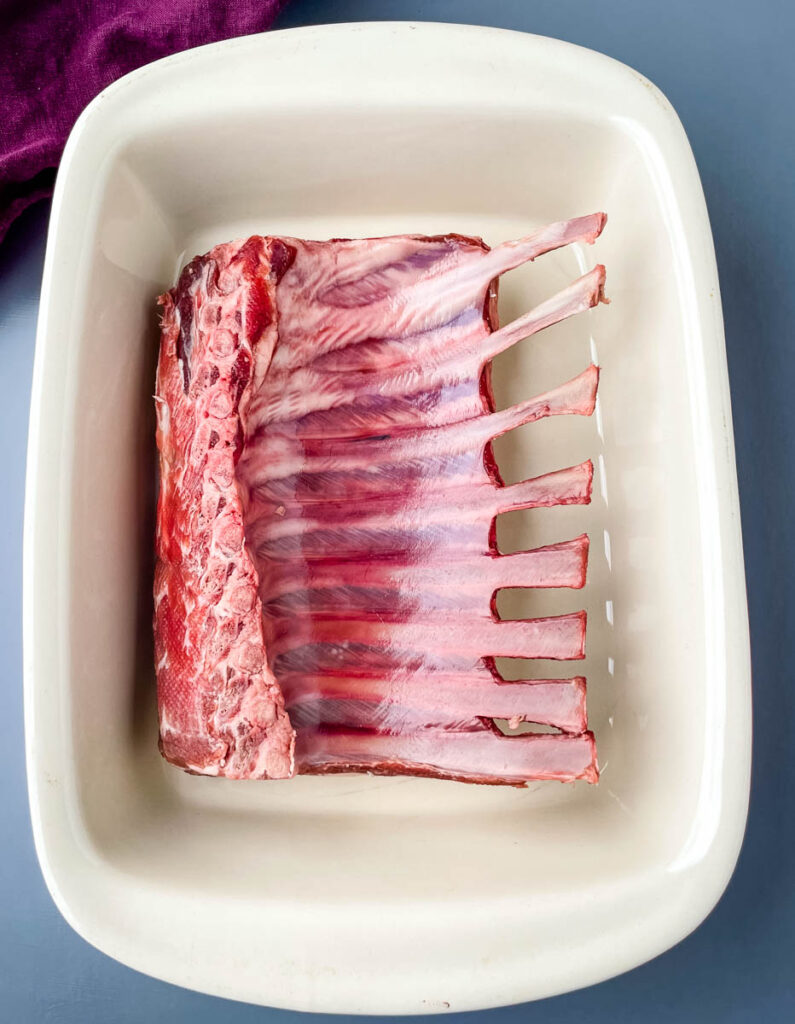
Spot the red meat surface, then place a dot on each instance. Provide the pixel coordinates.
(327, 557)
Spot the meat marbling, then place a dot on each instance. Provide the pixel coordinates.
(327, 558)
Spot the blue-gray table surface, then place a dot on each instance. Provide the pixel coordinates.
(728, 69)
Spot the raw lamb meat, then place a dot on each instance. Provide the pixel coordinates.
(327, 558)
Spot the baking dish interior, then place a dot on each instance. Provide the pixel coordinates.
(177, 189)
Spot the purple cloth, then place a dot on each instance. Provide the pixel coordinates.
(56, 55)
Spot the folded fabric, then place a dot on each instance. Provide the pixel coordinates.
(56, 55)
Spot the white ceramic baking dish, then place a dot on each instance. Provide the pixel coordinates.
(393, 895)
